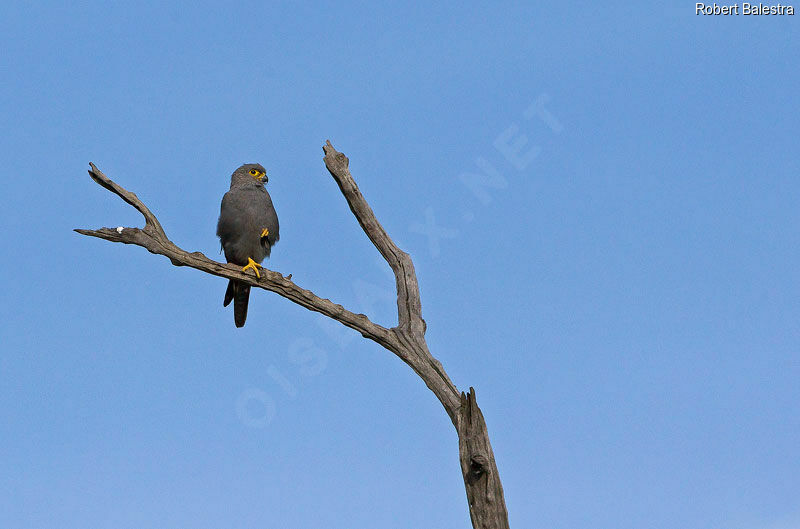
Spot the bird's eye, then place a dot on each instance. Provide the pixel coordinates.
(253, 172)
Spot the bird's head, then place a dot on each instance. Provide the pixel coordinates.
(248, 173)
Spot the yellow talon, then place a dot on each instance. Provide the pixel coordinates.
(254, 265)
(264, 232)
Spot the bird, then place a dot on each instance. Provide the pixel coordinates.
(247, 229)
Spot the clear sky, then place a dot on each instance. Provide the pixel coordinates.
(602, 203)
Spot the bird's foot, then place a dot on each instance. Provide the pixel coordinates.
(254, 265)
(264, 232)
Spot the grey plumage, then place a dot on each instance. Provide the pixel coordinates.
(245, 212)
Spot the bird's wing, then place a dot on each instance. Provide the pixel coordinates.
(268, 217)
(231, 220)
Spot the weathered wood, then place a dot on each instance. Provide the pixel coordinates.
(153, 239)
(406, 340)
(410, 330)
(487, 505)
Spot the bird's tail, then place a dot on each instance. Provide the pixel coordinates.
(240, 294)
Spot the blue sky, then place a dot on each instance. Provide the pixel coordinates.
(623, 292)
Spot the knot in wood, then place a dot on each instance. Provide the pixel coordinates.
(342, 159)
(477, 467)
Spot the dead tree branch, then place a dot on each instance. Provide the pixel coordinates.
(406, 340)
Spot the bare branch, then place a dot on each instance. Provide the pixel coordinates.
(409, 307)
(411, 327)
(153, 239)
(131, 198)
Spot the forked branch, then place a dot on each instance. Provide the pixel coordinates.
(406, 340)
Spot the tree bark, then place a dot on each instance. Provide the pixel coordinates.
(406, 340)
